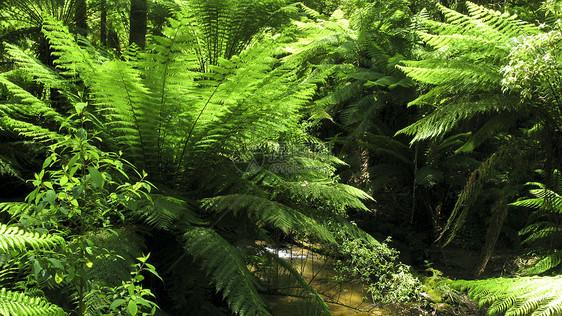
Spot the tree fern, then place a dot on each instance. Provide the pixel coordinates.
(187, 129)
(468, 54)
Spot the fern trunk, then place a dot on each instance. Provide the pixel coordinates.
(80, 18)
(498, 217)
(103, 23)
(138, 17)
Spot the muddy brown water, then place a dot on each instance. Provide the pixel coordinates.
(317, 270)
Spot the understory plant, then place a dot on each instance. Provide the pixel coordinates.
(543, 231)
(387, 280)
(80, 193)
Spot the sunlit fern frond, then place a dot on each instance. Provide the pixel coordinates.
(535, 296)
(74, 60)
(542, 232)
(15, 208)
(19, 304)
(468, 54)
(14, 238)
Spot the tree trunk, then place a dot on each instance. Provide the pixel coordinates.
(80, 18)
(498, 216)
(103, 23)
(138, 16)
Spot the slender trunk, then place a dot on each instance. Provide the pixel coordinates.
(414, 184)
(103, 23)
(80, 19)
(494, 229)
(138, 16)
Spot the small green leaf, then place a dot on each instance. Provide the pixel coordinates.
(118, 302)
(79, 107)
(97, 177)
(50, 196)
(56, 263)
(63, 180)
(133, 308)
(58, 277)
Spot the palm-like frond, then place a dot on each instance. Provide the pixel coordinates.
(468, 54)
(19, 304)
(234, 280)
(270, 212)
(542, 231)
(536, 296)
(224, 28)
(14, 238)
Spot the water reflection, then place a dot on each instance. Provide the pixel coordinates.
(317, 270)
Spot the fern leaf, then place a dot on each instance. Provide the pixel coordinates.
(469, 51)
(516, 296)
(19, 304)
(270, 212)
(14, 238)
(227, 270)
(74, 61)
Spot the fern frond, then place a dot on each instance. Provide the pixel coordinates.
(15, 208)
(19, 304)
(264, 210)
(14, 238)
(468, 197)
(166, 211)
(33, 68)
(516, 296)
(73, 60)
(34, 107)
(444, 118)
(547, 263)
(227, 271)
(468, 56)
(122, 100)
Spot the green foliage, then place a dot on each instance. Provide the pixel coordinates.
(15, 238)
(543, 231)
(516, 296)
(16, 304)
(194, 132)
(234, 279)
(464, 68)
(389, 281)
(129, 298)
(224, 28)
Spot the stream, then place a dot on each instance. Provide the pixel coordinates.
(317, 270)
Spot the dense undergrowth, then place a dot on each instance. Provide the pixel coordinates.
(149, 177)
